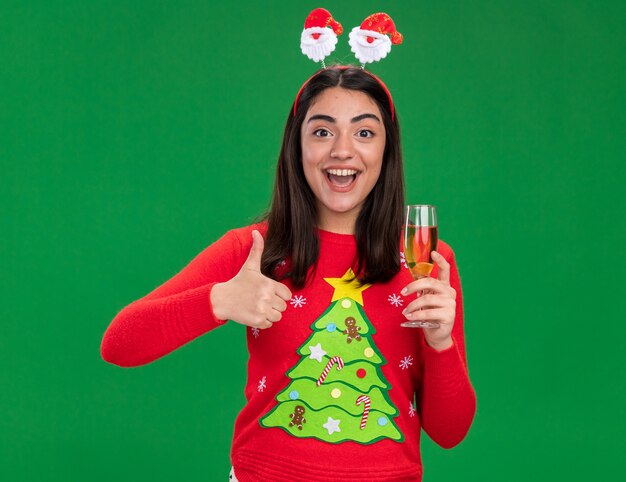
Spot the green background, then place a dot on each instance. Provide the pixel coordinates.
(133, 134)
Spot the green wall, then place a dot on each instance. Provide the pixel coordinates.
(133, 134)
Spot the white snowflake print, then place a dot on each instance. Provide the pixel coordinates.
(406, 362)
(298, 301)
(282, 263)
(262, 386)
(403, 260)
(412, 410)
(256, 332)
(395, 300)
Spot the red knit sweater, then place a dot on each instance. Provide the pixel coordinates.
(302, 421)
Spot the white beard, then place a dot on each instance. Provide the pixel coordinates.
(318, 49)
(369, 52)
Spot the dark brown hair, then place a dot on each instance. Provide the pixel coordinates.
(291, 232)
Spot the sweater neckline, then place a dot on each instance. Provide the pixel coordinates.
(336, 238)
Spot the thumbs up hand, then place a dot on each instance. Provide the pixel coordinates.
(251, 298)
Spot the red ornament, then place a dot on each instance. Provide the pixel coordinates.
(361, 373)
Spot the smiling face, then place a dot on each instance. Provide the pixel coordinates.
(343, 142)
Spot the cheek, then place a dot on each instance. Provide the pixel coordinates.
(372, 154)
(310, 169)
(379, 159)
(375, 176)
(306, 157)
(311, 157)
(307, 163)
(311, 151)
(375, 160)
(307, 153)
(374, 170)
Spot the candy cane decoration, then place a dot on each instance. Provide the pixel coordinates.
(331, 362)
(366, 411)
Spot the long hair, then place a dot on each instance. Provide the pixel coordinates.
(292, 217)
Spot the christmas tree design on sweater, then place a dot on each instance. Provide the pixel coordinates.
(337, 390)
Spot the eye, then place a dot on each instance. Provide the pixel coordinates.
(321, 133)
(365, 133)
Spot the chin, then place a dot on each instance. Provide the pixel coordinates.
(342, 209)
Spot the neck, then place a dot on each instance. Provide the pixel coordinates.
(343, 223)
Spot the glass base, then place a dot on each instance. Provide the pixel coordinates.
(420, 324)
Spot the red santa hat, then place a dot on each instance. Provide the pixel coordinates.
(372, 40)
(320, 17)
(319, 36)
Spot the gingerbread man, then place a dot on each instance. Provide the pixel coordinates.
(352, 330)
(297, 417)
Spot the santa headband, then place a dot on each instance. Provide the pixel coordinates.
(370, 42)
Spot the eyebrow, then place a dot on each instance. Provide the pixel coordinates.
(328, 118)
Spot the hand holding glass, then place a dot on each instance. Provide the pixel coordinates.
(419, 240)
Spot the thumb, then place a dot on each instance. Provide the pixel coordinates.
(256, 252)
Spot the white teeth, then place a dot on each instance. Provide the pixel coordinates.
(341, 172)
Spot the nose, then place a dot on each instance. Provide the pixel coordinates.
(342, 147)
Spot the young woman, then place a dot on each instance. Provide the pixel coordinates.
(337, 389)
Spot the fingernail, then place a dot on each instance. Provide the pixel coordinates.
(404, 291)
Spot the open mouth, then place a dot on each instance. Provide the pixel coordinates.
(341, 177)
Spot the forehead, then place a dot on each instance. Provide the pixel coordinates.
(343, 103)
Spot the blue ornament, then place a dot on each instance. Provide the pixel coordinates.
(382, 421)
(331, 327)
(294, 395)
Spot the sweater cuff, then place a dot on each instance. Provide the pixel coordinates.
(212, 317)
(190, 314)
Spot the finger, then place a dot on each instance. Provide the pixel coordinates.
(265, 325)
(274, 315)
(440, 315)
(279, 304)
(444, 267)
(425, 284)
(282, 291)
(257, 321)
(431, 301)
(256, 252)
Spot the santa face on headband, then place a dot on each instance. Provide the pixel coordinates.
(372, 40)
(317, 43)
(369, 46)
(319, 36)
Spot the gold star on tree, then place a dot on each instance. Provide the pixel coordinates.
(347, 287)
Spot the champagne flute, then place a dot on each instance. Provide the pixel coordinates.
(419, 240)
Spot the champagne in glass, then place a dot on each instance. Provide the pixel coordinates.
(419, 240)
